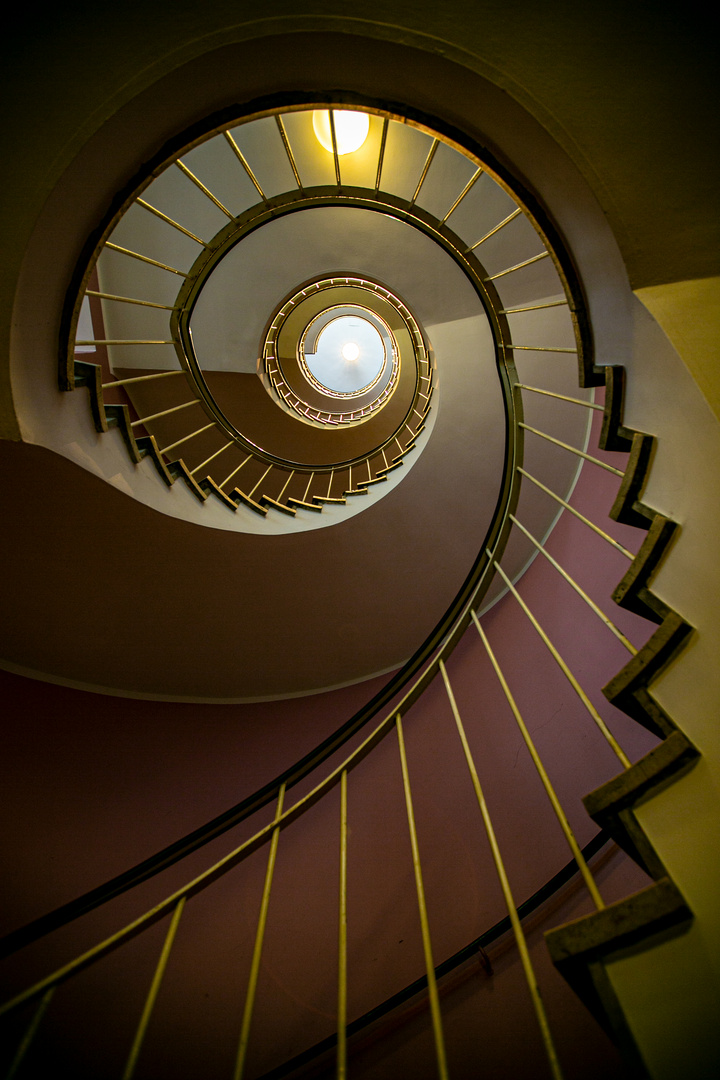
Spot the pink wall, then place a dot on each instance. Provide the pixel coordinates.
(94, 783)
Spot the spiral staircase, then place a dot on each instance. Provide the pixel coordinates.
(464, 246)
(436, 559)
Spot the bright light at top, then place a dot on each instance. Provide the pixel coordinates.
(351, 129)
(350, 351)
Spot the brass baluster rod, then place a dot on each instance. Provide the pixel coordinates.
(341, 1070)
(423, 174)
(497, 229)
(507, 894)
(29, 1034)
(145, 259)
(288, 150)
(578, 589)
(251, 493)
(241, 158)
(129, 300)
(560, 397)
(153, 992)
(476, 176)
(212, 457)
(542, 773)
(284, 487)
(235, 471)
(518, 266)
(125, 341)
(192, 435)
(165, 412)
(572, 449)
(381, 154)
(257, 948)
(581, 517)
(532, 307)
(206, 191)
(163, 217)
(422, 908)
(142, 378)
(595, 715)
(336, 158)
(541, 348)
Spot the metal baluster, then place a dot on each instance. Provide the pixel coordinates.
(507, 893)
(153, 992)
(124, 341)
(288, 150)
(212, 457)
(186, 438)
(206, 191)
(165, 412)
(549, 393)
(580, 591)
(573, 450)
(336, 158)
(241, 158)
(532, 307)
(565, 669)
(284, 487)
(145, 259)
(426, 166)
(341, 1070)
(424, 925)
(141, 378)
(476, 176)
(128, 300)
(29, 1033)
(555, 802)
(586, 521)
(381, 155)
(251, 493)
(257, 949)
(518, 266)
(497, 228)
(235, 471)
(169, 220)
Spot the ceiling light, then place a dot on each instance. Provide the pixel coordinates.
(350, 351)
(351, 129)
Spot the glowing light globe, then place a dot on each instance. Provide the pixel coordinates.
(351, 129)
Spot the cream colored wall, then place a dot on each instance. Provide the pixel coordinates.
(671, 994)
(689, 313)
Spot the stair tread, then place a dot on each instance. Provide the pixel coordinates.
(367, 483)
(247, 501)
(305, 505)
(267, 500)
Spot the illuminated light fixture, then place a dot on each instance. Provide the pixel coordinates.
(351, 129)
(350, 351)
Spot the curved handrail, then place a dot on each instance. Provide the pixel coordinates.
(453, 623)
(438, 645)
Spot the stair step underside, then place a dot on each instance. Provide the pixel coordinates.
(302, 505)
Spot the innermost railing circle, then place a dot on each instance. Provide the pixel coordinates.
(345, 350)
